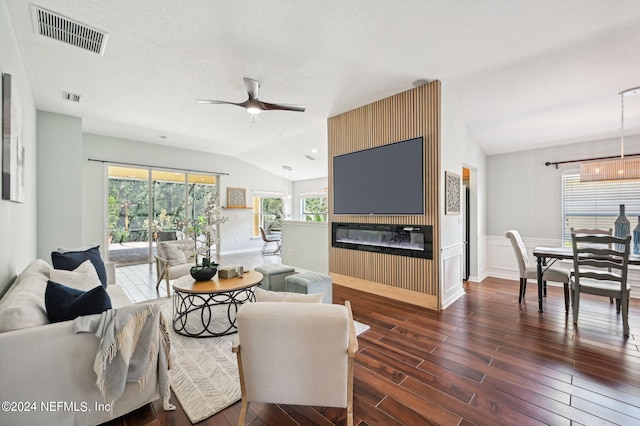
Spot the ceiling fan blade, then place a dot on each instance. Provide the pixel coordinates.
(252, 87)
(211, 101)
(284, 107)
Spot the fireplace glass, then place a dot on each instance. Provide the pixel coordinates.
(401, 240)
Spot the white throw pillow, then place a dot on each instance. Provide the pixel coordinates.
(263, 295)
(84, 277)
(172, 253)
(22, 305)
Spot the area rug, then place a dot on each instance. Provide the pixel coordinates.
(204, 377)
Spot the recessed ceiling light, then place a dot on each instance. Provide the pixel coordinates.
(315, 151)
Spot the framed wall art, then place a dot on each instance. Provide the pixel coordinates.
(13, 144)
(452, 193)
(236, 198)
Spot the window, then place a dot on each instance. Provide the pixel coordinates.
(596, 205)
(146, 205)
(313, 207)
(267, 212)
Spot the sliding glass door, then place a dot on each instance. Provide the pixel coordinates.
(128, 214)
(148, 205)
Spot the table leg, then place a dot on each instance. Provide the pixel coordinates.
(540, 261)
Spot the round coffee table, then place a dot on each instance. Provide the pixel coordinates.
(199, 306)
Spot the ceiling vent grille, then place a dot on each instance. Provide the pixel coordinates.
(71, 97)
(68, 31)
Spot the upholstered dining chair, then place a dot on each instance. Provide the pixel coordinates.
(599, 268)
(267, 240)
(296, 353)
(527, 271)
(596, 232)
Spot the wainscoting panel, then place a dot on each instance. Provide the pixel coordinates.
(452, 274)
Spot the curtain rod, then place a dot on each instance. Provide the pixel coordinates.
(555, 163)
(158, 167)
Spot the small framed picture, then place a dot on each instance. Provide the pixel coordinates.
(236, 198)
(452, 193)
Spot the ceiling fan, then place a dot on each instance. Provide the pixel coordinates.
(253, 105)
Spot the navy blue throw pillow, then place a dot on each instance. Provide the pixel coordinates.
(70, 260)
(66, 303)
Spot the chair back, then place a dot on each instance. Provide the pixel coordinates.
(269, 239)
(599, 258)
(520, 250)
(295, 353)
(263, 235)
(586, 231)
(176, 251)
(167, 235)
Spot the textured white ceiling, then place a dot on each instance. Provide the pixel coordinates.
(523, 73)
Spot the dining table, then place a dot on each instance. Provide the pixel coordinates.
(547, 256)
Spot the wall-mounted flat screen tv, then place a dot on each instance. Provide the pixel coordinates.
(385, 180)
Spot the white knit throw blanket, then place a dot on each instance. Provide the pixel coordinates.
(133, 340)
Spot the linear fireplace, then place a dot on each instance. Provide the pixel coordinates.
(401, 240)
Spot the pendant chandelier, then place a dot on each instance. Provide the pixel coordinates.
(618, 168)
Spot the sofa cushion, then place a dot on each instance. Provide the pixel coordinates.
(279, 296)
(172, 253)
(84, 277)
(70, 260)
(23, 306)
(118, 296)
(65, 303)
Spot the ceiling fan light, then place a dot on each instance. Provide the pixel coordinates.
(253, 110)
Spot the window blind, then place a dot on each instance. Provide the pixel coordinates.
(596, 205)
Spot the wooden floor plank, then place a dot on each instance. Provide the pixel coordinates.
(485, 360)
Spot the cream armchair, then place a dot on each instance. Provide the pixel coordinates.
(174, 259)
(296, 353)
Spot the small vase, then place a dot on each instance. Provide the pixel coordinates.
(622, 227)
(203, 273)
(636, 238)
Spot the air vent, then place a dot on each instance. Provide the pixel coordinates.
(68, 31)
(309, 157)
(71, 97)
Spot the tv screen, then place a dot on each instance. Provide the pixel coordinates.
(386, 180)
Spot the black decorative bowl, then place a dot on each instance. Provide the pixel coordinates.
(203, 273)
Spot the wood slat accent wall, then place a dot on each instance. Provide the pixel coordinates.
(400, 117)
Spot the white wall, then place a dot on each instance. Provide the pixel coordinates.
(18, 224)
(305, 245)
(526, 195)
(459, 149)
(73, 188)
(60, 183)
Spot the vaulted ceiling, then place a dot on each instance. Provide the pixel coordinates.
(523, 74)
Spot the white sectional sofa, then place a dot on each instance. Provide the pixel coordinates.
(46, 370)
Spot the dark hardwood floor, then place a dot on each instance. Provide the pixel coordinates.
(485, 360)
